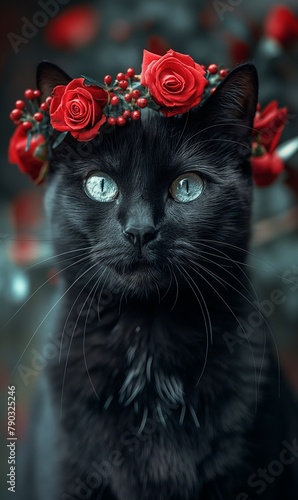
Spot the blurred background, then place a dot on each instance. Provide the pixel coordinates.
(107, 36)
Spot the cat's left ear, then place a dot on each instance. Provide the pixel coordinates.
(231, 108)
(48, 76)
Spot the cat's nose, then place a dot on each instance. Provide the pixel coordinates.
(140, 236)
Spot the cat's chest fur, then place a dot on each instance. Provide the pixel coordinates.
(145, 403)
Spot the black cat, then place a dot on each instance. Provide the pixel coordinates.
(160, 391)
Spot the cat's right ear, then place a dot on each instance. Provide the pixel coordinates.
(48, 76)
(230, 110)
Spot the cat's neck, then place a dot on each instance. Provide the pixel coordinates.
(117, 333)
(148, 354)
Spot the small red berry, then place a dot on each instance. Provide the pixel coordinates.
(213, 69)
(121, 120)
(115, 100)
(136, 115)
(19, 104)
(38, 117)
(44, 106)
(127, 97)
(27, 126)
(111, 120)
(123, 84)
(49, 100)
(223, 73)
(136, 94)
(142, 102)
(29, 94)
(126, 114)
(130, 73)
(36, 93)
(108, 79)
(121, 76)
(212, 90)
(16, 114)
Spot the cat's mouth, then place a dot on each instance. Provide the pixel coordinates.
(140, 276)
(140, 265)
(139, 268)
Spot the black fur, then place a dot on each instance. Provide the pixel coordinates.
(160, 392)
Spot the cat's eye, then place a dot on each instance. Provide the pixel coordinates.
(187, 187)
(101, 187)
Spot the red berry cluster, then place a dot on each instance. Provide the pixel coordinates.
(126, 99)
(215, 76)
(20, 114)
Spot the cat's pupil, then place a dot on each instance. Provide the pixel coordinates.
(184, 184)
(101, 187)
(187, 187)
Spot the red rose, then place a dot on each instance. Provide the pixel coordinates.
(282, 25)
(269, 124)
(175, 81)
(266, 168)
(78, 109)
(33, 161)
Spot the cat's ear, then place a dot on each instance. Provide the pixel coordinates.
(48, 76)
(231, 108)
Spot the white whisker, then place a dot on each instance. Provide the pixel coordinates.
(40, 287)
(73, 331)
(204, 317)
(44, 319)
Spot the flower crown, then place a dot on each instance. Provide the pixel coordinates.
(171, 84)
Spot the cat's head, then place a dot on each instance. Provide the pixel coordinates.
(141, 205)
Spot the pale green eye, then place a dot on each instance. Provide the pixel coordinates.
(101, 187)
(187, 187)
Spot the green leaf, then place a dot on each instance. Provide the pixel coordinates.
(90, 81)
(41, 152)
(59, 139)
(153, 105)
(29, 137)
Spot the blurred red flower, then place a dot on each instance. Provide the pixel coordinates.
(73, 28)
(269, 124)
(24, 249)
(26, 210)
(30, 160)
(157, 44)
(281, 25)
(266, 168)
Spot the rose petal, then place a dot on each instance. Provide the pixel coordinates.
(88, 135)
(172, 83)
